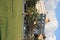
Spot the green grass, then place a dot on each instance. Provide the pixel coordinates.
(11, 19)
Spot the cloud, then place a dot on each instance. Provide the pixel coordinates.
(54, 38)
(50, 7)
(51, 4)
(50, 28)
(51, 37)
(53, 24)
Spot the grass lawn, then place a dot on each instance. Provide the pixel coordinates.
(11, 19)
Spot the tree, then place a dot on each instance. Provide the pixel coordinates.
(30, 9)
(30, 5)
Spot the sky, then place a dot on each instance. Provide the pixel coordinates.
(52, 7)
(57, 10)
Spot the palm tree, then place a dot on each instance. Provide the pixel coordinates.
(29, 8)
